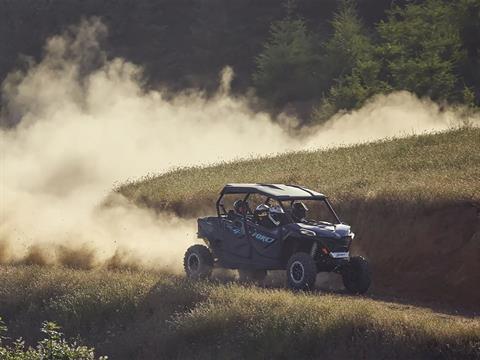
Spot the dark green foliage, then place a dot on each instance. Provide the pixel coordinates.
(52, 347)
(350, 63)
(333, 56)
(422, 49)
(286, 68)
(429, 48)
(469, 23)
(349, 43)
(181, 43)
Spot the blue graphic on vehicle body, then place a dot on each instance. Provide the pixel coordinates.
(262, 238)
(238, 232)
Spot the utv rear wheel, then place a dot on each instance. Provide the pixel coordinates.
(301, 271)
(356, 275)
(255, 276)
(198, 262)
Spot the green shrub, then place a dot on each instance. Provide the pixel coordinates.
(52, 347)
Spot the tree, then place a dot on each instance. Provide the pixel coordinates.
(349, 43)
(422, 49)
(469, 24)
(286, 68)
(350, 65)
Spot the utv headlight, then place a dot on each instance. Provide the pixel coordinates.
(307, 232)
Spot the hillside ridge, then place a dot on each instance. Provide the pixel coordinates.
(414, 204)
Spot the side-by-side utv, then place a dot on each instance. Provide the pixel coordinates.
(261, 227)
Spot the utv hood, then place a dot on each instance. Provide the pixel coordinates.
(336, 231)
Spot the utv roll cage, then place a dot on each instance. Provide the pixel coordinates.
(279, 192)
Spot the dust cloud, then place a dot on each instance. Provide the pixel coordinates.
(87, 123)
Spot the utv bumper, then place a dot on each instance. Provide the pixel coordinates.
(331, 263)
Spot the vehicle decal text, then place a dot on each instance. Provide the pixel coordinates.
(262, 238)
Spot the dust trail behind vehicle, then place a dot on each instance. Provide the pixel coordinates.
(87, 124)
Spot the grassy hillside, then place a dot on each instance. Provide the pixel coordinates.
(427, 168)
(129, 315)
(413, 203)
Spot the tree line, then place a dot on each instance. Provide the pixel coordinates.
(321, 56)
(430, 48)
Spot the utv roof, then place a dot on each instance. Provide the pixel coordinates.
(276, 191)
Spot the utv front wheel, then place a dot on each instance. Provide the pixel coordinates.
(198, 262)
(356, 275)
(301, 271)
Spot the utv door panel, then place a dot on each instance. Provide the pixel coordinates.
(235, 241)
(266, 242)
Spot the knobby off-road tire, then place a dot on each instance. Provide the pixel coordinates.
(356, 276)
(198, 262)
(251, 276)
(301, 271)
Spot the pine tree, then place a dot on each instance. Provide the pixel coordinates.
(286, 68)
(422, 49)
(350, 65)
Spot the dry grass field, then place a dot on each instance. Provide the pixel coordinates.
(140, 315)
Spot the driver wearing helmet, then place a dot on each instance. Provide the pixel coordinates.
(267, 216)
(299, 211)
(261, 214)
(276, 215)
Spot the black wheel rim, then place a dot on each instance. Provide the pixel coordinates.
(193, 263)
(297, 272)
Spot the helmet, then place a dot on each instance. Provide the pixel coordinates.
(240, 207)
(275, 214)
(261, 211)
(299, 211)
